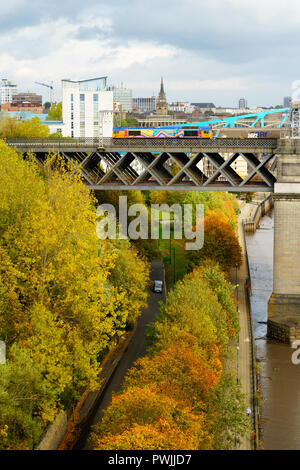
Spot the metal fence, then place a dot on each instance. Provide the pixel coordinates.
(145, 143)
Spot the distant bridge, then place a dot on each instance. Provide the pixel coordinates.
(140, 164)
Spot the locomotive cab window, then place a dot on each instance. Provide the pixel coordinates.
(134, 132)
(190, 133)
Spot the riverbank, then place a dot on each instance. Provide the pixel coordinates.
(243, 344)
(279, 418)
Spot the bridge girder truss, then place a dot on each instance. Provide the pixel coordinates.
(171, 170)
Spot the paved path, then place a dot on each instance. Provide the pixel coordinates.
(243, 344)
(136, 349)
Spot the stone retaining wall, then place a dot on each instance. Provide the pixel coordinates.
(262, 209)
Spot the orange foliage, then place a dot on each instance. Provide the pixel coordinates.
(141, 418)
(183, 371)
(220, 243)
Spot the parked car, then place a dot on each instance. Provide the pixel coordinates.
(158, 286)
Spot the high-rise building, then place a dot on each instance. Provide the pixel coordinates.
(161, 103)
(123, 96)
(87, 108)
(286, 101)
(7, 91)
(144, 105)
(243, 104)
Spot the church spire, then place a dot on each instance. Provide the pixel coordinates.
(161, 103)
(162, 86)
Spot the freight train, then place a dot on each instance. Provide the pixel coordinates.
(192, 131)
(176, 132)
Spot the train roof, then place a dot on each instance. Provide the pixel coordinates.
(205, 127)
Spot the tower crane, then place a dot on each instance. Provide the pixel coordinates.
(48, 86)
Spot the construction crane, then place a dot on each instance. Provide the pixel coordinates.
(48, 86)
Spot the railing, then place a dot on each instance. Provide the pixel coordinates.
(57, 142)
(247, 286)
(66, 142)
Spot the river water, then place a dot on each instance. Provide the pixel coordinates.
(280, 378)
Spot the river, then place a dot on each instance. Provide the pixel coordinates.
(280, 378)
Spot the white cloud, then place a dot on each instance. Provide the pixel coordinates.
(205, 50)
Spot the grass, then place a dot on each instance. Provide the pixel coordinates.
(175, 260)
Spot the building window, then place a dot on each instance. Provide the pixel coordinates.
(72, 115)
(72, 125)
(72, 133)
(82, 97)
(72, 106)
(95, 97)
(72, 97)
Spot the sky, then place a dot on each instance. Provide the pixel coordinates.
(207, 51)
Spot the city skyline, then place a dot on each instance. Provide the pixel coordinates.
(201, 56)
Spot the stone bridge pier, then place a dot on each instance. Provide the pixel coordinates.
(284, 303)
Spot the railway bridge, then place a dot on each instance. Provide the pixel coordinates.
(273, 165)
(185, 164)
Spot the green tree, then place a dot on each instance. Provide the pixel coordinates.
(55, 112)
(11, 127)
(23, 393)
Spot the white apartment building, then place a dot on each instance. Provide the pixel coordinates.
(7, 91)
(87, 108)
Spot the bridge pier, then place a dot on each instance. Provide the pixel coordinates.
(284, 303)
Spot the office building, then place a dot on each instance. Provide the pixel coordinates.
(7, 91)
(123, 96)
(87, 108)
(243, 104)
(144, 105)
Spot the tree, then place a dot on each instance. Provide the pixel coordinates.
(226, 414)
(183, 371)
(32, 128)
(142, 419)
(220, 244)
(55, 112)
(61, 300)
(10, 128)
(129, 275)
(23, 395)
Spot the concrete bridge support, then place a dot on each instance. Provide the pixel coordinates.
(284, 303)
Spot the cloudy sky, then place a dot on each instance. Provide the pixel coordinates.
(213, 50)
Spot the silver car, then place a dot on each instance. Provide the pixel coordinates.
(158, 286)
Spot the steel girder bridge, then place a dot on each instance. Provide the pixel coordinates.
(166, 164)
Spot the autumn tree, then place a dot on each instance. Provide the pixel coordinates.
(220, 244)
(65, 295)
(143, 419)
(183, 371)
(182, 381)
